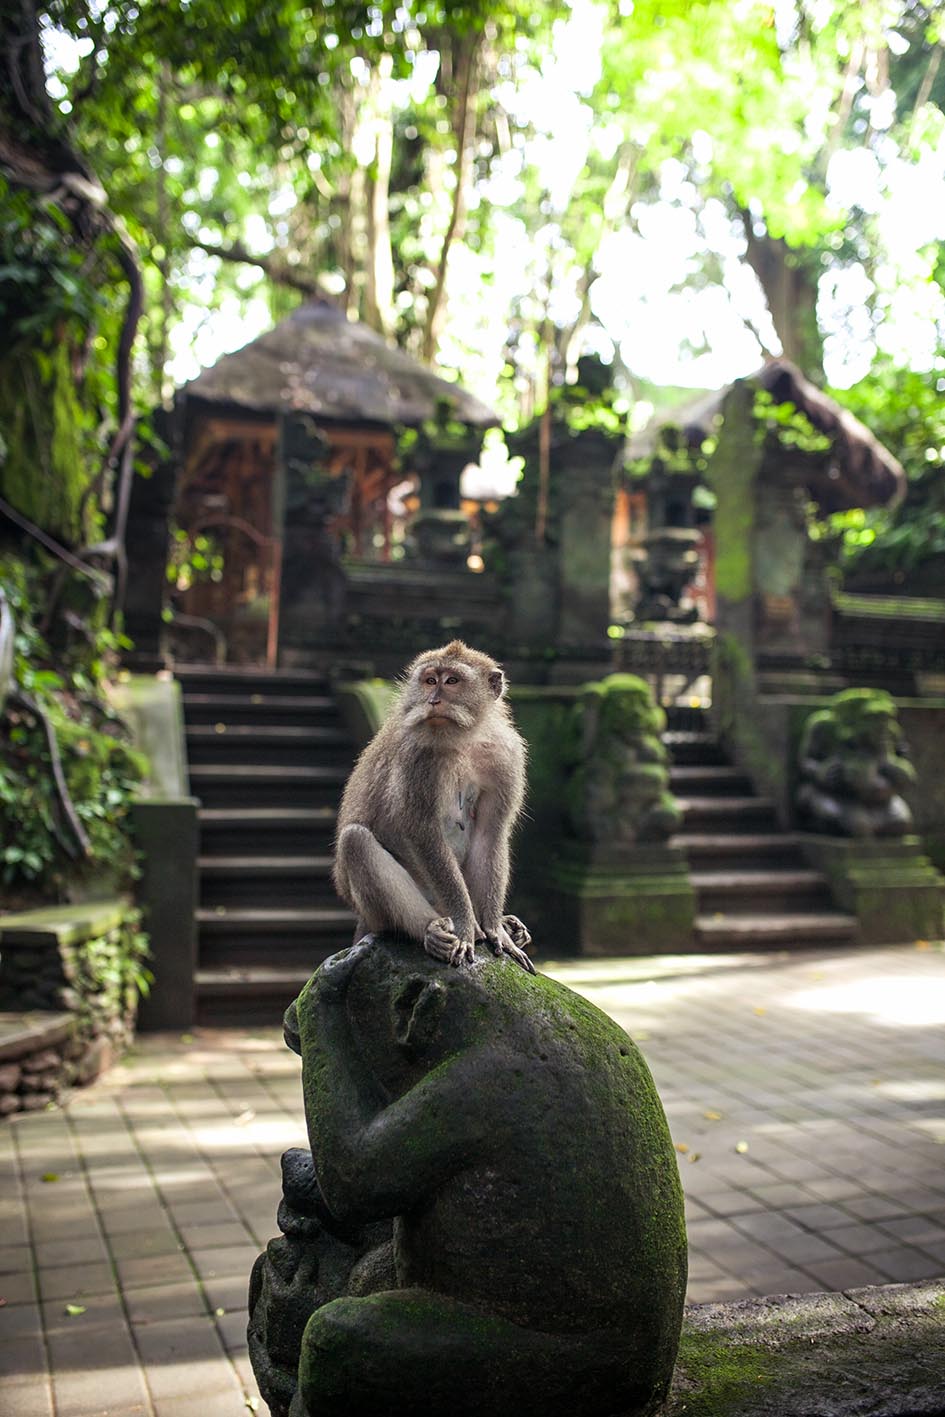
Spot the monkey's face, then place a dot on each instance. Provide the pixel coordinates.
(446, 694)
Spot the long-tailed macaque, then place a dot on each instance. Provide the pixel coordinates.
(424, 826)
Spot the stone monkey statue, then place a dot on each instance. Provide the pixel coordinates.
(426, 816)
(618, 793)
(853, 767)
(512, 1132)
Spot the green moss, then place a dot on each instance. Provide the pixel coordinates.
(732, 471)
(722, 1374)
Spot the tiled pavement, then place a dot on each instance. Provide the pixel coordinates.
(806, 1096)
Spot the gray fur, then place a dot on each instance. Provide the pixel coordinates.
(425, 821)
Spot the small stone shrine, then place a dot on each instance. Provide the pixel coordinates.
(621, 887)
(490, 1220)
(853, 774)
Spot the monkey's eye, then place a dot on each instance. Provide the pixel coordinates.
(429, 679)
(452, 679)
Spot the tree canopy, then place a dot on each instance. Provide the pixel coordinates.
(499, 187)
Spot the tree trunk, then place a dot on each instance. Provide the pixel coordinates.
(465, 67)
(788, 277)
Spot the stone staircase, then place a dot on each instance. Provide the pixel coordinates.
(268, 761)
(753, 886)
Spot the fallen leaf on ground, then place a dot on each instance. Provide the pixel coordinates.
(49, 1176)
(244, 1117)
(695, 1156)
(922, 945)
(682, 1146)
(187, 1038)
(711, 1116)
(741, 1147)
(219, 1313)
(74, 1310)
(759, 1009)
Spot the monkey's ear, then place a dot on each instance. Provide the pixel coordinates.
(497, 683)
(418, 1007)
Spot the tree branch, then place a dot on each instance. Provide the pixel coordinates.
(277, 271)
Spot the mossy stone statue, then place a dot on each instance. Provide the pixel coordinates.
(491, 1219)
(618, 791)
(853, 768)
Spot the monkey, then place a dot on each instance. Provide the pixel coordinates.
(422, 844)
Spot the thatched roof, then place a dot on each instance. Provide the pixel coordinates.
(860, 472)
(319, 362)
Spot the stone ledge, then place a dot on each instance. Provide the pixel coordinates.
(66, 924)
(876, 1352)
(21, 1034)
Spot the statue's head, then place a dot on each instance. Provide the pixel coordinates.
(866, 719)
(405, 1011)
(627, 709)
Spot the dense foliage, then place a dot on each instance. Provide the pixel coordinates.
(41, 854)
(906, 411)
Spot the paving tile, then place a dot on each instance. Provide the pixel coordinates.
(76, 1281)
(185, 1357)
(862, 1239)
(18, 1288)
(88, 1249)
(21, 1356)
(27, 1397)
(905, 1264)
(17, 1320)
(846, 1273)
(874, 1207)
(229, 1260)
(139, 1244)
(97, 1310)
(144, 1271)
(154, 1302)
(212, 1237)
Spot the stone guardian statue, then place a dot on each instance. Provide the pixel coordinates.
(490, 1220)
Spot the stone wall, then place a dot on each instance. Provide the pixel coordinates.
(69, 980)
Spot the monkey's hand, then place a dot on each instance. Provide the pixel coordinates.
(441, 942)
(501, 943)
(518, 933)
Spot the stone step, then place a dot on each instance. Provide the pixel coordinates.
(748, 892)
(708, 780)
(228, 996)
(703, 848)
(745, 932)
(726, 813)
(684, 747)
(318, 920)
(244, 679)
(282, 745)
(259, 708)
(762, 882)
(266, 785)
(686, 718)
(244, 937)
(265, 882)
(265, 865)
(263, 831)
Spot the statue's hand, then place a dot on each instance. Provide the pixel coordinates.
(442, 942)
(332, 978)
(502, 942)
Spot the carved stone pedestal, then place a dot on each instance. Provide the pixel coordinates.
(490, 1220)
(886, 882)
(624, 901)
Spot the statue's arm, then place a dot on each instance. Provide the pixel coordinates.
(376, 1158)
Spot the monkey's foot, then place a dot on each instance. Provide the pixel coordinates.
(501, 943)
(441, 942)
(518, 933)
